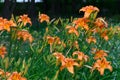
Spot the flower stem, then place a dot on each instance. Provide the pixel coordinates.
(68, 51)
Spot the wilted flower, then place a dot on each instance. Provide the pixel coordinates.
(91, 39)
(25, 35)
(94, 30)
(72, 30)
(88, 10)
(100, 22)
(25, 19)
(2, 51)
(76, 45)
(118, 28)
(16, 76)
(93, 50)
(101, 65)
(44, 17)
(81, 22)
(46, 29)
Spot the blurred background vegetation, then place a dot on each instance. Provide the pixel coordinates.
(55, 8)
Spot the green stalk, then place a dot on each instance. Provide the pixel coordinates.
(11, 42)
(56, 75)
(31, 48)
(51, 48)
(68, 51)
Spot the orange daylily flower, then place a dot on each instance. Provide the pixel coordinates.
(55, 40)
(16, 76)
(104, 35)
(44, 17)
(8, 24)
(58, 41)
(3, 51)
(81, 22)
(81, 56)
(91, 39)
(25, 19)
(60, 57)
(88, 10)
(100, 54)
(2, 23)
(5, 24)
(101, 65)
(100, 22)
(66, 62)
(3, 74)
(50, 40)
(72, 30)
(25, 35)
(69, 63)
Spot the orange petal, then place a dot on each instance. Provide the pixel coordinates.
(71, 69)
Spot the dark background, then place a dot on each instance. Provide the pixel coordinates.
(58, 8)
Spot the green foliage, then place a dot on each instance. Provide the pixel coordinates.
(35, 60)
